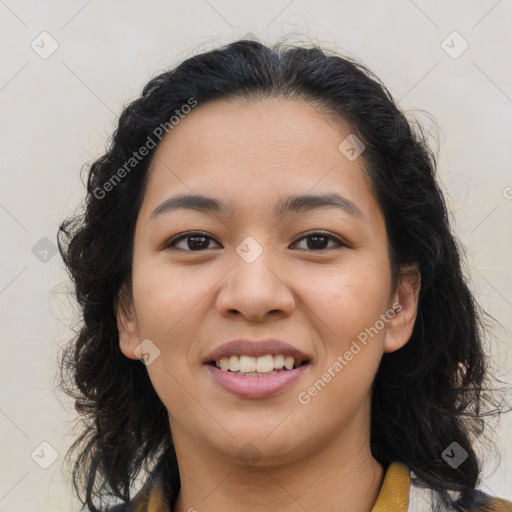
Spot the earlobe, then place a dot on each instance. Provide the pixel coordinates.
(405, 307)
(126, 323)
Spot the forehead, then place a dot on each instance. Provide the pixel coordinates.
(255, 150)
(242, 128)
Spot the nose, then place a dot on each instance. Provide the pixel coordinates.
(255, 289)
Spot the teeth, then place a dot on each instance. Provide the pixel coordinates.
(288, 362)
(249, 364)
(265, 364)
(278, 361)
(234, 363)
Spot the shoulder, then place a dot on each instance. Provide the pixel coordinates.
(424, 499)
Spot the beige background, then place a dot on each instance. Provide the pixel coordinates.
(57, 111)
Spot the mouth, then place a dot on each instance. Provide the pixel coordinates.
(257, 384)
(262, 366)
(256, 369)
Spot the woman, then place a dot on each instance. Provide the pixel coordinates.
(275, 316)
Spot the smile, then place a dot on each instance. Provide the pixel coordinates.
(256, 377)
(257, 366)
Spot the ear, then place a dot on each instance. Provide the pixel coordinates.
(405, 306)
(127, 324)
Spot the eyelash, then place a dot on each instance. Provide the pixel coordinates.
(170, 244)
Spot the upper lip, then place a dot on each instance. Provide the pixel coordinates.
(254, 348)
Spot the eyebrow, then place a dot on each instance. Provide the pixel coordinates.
(292, 204)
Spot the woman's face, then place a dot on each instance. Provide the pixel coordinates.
(260, 270)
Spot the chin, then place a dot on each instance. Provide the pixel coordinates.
(261, 447)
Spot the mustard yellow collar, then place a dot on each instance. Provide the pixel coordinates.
(393, 495)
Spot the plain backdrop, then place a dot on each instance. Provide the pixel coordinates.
(68, 68)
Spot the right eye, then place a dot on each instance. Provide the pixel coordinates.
(193, 241)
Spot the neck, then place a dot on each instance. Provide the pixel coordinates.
(340, 476)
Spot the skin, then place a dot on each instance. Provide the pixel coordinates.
(313, 456)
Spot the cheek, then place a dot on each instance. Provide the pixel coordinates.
(165, 296)
(349, 299)
(350, 305)
(169, 308)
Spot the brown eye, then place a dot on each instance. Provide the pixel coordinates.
(319, 241)
(193, 241)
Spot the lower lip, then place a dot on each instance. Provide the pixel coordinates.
(256, 387)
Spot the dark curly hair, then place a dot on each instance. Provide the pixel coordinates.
(426, 395)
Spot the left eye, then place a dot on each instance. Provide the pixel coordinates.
(194, 242)
(318, 241)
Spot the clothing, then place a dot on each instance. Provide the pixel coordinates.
(400, 492)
